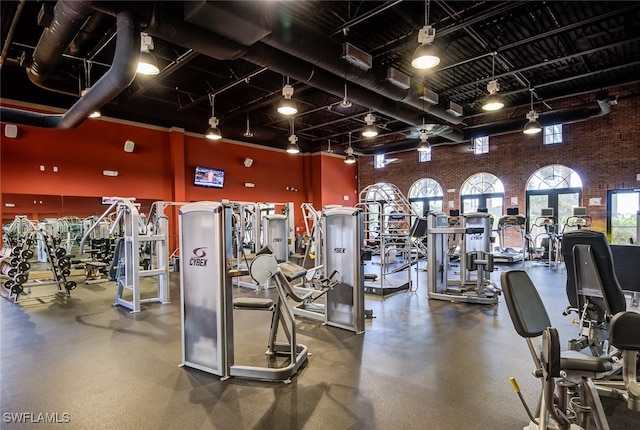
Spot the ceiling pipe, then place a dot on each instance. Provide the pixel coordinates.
(170, 27)
(561, 116)
(12, 29)
(68, 18)
(295, 38)
(117, 78)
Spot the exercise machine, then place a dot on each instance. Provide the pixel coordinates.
(387, 218)
(207, 305)
(593, 290)
(136, 235)
(512, 221)
(474, 257)
(545, 238)
(342, 247)
(572, 382)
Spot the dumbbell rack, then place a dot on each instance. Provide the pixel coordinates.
(59, 261)
(17, 269)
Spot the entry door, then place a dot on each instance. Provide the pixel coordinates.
(623, 207)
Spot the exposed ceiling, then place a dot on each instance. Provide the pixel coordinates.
(243, 52)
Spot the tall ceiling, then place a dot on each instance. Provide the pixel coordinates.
(243, 53)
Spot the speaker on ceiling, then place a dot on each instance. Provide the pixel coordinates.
(248, 162)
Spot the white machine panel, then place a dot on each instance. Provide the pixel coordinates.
(343, 229)
(202, 286)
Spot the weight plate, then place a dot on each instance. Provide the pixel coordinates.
(12, 272)
(70, 285)
(66, 272)
(21, 278)
(8, 284)
(17, 289)
(64, 263)
(23, 266)
(26, 254)
(60, 252)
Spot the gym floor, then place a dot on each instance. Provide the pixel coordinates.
(421, 364)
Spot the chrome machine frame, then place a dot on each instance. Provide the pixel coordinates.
(474, 255)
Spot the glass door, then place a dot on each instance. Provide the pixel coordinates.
(622, 216)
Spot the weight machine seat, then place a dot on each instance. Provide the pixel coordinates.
(292, 271)
(530, 319)
(604, 263)
(252, 303)
(624, 331)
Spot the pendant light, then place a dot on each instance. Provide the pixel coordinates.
(212, 132)
(287, 106)
(533, 126)
(369, 130)
(147, 63)
(426, 55)
(493, 101)
(349, 158)
(293, 147)
(248, 133)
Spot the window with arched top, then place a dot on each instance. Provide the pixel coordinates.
(554, 176)
(426, 195)
(483, 191)
(557, 189)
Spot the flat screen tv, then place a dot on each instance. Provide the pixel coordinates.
(208, 177)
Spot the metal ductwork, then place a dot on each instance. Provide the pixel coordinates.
(68, 18)
(563, 116)
(169, 27)
(302, 42)
(47, 55)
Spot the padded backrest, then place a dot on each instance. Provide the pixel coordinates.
(526, 309)
(624, 331)
(604, 263)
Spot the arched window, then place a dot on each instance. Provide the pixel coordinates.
(554, 176)
(483, 191)
(555, 187)
(425, 196)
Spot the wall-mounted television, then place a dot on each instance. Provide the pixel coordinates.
(208, 177)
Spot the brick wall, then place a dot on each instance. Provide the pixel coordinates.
(604, 151)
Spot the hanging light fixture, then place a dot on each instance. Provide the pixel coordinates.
(293, 147)
(287, 106)
(426, 54)
(493, 101)
(533, 126)
(147, 63)
(369, 130)
(329, 150)
(87, 80)
(248, 133)
(424, 141)
(349, 158)
(212, 132)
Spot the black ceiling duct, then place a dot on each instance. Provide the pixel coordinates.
(66, 23)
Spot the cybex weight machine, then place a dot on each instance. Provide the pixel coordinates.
(474, 257)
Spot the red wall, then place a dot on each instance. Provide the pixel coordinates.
(160, 168)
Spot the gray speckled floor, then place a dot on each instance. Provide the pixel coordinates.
(420, 365)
